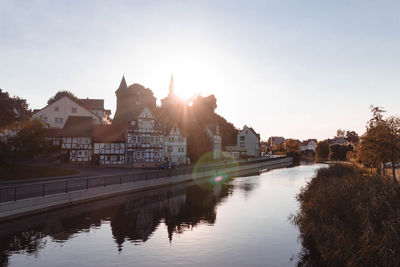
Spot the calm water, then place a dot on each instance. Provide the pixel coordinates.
(243, 222)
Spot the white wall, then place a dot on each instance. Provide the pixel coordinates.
(178, 144)
(249, 141)
(57, 113)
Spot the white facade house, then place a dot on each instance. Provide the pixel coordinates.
(145, 141)
(175, 146)
(57, 113)
(248, 141)
(310, 144)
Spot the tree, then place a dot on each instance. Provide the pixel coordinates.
(61, 94)
(12, 109)
(340, 133)
(293, 149)
(322, 151)
(338, 152)
(353, 137)
(381, 142)
(28, 138)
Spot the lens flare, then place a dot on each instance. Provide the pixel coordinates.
(208, 170)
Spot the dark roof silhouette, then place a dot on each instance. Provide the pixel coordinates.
(92, 104)
(122, 85)
(81, 126)
(108, 133)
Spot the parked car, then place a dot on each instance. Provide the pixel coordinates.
(165, 165)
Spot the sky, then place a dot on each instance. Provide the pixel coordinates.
(298, 69)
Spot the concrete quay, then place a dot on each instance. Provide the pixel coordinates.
(26, 206)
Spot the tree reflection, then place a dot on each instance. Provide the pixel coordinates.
(132, 217)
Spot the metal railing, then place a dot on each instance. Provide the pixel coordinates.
(14, 193)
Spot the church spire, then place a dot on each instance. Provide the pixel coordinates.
(171, 86)
(123, 85)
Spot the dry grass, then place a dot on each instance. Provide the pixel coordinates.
(347, 218)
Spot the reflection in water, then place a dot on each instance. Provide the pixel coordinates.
(132, 218)
(240, 222)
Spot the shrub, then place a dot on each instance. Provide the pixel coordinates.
(347, 218)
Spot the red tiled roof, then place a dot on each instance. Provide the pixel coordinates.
(108, 133)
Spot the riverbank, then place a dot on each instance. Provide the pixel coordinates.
(349, 218)
(26, 199)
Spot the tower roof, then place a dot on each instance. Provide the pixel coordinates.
(171, 86)
(122, 85)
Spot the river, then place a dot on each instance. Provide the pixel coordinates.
(242, 222)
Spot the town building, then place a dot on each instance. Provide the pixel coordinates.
(96, 106)
(216, 139)
(77, 139)
(172, 99)
(57, 113)
(248, 139)
(145, 141)
(175, 146)
(308, 145)
(131, 101)
(108, 145)
(276, 140)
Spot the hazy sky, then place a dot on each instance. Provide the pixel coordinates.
(298, 69)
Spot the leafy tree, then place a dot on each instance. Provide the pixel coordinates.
(353, 137)
(28, 138)
(381, 142)
(338, 152)
(340, 133)
(61, 94)
(293, 149)
(322, 151)
(12, 109)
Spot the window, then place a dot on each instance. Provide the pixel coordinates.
(241, 144)
(58, 120)
(80, 153)
(80, 141)
(45, 119)
(56, 108)
(242, 138)
(74, 110)
(247, 132)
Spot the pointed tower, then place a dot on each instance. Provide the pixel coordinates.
(171, 87)
(122, 85)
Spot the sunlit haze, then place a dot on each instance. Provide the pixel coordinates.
(288, 68)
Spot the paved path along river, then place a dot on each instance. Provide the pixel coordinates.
(242, 222)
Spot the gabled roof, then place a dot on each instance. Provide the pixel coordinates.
(93, 104)
(306, 142)
(108, 133)
(81, 126)
(79, 104)
(251, 129)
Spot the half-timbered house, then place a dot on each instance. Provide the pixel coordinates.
(77, 139)
(108, 145)
(145, 141)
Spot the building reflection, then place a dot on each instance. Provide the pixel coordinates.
(133, 217)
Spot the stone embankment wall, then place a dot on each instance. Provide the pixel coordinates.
(21, 207)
